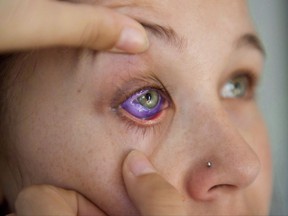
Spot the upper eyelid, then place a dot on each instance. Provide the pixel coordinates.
(254, 79)
(253, 75)
(127, 96)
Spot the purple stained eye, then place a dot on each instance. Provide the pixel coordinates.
(144, 104)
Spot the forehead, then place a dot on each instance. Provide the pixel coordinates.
(182, 12)
(202, 22)
(191, 5)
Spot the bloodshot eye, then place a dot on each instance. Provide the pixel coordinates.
(145, 104)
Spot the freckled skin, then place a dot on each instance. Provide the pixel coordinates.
(63, 131)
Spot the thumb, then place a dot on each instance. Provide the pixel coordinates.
(151, 194)
(27, 24)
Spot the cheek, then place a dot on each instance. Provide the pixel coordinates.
(80, 151)
(263, 184)
(252, 128)
(260, 192)
(79, 156)
(62, 139)
(249, 122)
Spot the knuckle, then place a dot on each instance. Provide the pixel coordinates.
(100, 31)
(90, 34)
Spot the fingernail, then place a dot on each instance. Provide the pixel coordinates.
(138, 164)
(132, 40)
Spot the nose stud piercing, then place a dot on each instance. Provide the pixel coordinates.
(209, 164)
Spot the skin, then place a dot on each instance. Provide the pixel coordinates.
(64, 129)
(146, 188)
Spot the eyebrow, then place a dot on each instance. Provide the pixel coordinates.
(167, 33)
(252, 40)
(175, 40)
(171, 37)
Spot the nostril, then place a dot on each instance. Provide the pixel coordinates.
(222, 175)
(222, 186)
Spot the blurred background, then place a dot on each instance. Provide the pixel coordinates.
(271, 20)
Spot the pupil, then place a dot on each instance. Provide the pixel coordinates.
(237, 85)
(148, 97)
(149, 100)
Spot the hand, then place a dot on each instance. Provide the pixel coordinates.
(29, 24)
(50, 200)
(150, 193)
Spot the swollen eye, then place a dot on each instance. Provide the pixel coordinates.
(144, 104)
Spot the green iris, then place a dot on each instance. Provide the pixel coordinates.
(240, 86)
(149, 99)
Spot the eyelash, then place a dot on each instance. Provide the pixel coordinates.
(126, 92)
(140, 128)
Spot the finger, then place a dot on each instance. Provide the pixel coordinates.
(150, 193)
(50, 200)
(27, 24)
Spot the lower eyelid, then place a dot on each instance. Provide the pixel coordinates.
(135, 108)
(124, 115)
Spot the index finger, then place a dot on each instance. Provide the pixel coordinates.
(40, 24)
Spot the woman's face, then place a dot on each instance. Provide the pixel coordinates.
(189, 100)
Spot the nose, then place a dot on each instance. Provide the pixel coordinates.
(225, 164)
